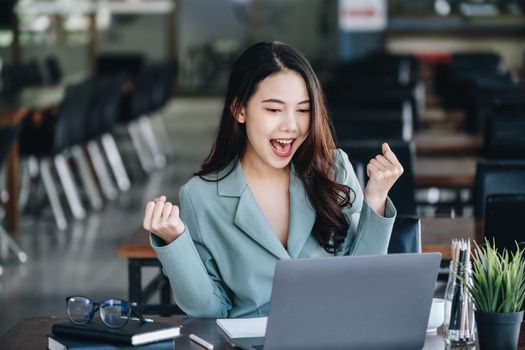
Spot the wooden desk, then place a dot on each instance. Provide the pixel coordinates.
(450, 119)
(139, 253)
(12, 110)
(32, 334)
(445, 172)
(448, 144)
(437, 233)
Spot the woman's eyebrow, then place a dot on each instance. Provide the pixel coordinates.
(282, 102)
(273, 100)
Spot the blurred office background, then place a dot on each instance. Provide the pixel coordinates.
(106, 104)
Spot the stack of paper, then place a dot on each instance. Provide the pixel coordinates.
(243, 327)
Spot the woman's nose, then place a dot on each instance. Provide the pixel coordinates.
(290, 122)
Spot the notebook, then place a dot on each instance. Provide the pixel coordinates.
(133, 333)
(67, 343)
(355, 302)
(243, 327)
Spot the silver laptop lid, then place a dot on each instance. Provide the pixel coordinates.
(355, 302)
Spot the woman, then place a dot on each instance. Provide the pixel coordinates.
(273, 187)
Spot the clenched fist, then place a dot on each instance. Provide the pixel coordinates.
(382, 171)
(162, 218)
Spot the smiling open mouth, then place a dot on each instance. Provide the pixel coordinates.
(282, 147)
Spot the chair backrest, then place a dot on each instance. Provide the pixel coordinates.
(111, 63)
(372, 125)
(497, 177)
(70, 128)
(106, 104)
(505, 137)
(140, 99)
(161, 84)
(54, 71)
(504, 215)
(480, 59)
(406, 235)
(403, 191)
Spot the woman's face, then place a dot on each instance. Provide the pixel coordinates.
(277, 118)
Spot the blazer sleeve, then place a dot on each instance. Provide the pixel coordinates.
(197, 286)
(368, 232)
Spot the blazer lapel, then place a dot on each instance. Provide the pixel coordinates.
(248, 216)
(302, 216)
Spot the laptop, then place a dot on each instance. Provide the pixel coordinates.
(354, 302)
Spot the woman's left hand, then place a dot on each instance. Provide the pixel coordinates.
(382, 171)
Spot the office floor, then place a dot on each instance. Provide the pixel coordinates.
(82, 259)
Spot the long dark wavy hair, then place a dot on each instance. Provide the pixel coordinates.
(314, 160)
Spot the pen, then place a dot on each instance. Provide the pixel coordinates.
(201, 342)
(145, 319)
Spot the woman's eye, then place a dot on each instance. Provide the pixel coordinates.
(272, 110)
(304, 111)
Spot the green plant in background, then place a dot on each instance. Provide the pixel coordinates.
(498, 279)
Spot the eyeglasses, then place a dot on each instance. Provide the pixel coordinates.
(115, 313)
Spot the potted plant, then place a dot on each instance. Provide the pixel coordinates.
(498, 291)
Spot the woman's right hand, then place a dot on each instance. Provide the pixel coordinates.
(162, 218)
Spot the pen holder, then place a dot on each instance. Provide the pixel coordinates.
(460, 327)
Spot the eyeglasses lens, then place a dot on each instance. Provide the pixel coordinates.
(115, 312)
(80, 310)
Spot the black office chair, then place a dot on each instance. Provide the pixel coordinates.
(486, 96)
(112, 63)
(406, 235)
(504, 215)
(505, 137)
(497, 177)
(369, 125)
(102, 117)
(403, 191)
(8, 136)
(48, 141)
(54, 71)
(452, 77)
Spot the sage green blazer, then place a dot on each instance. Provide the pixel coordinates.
(223, 263)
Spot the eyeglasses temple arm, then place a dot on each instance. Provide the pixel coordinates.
(137, 314)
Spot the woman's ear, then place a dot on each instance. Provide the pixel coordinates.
(237, 111)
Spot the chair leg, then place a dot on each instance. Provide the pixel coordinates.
(70, 189)
(20, 254)
(88, 180)
(407, 121)
(106, 183)
(144, 158)
(29, 171)
(115, 161)
(163, 137)
(159, 159)
(52, 194)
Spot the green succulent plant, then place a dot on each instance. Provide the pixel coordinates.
(498, 279)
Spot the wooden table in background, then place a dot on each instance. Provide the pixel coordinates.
(445, 171)
(437, 233)
(448, 144)
(11, 116)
